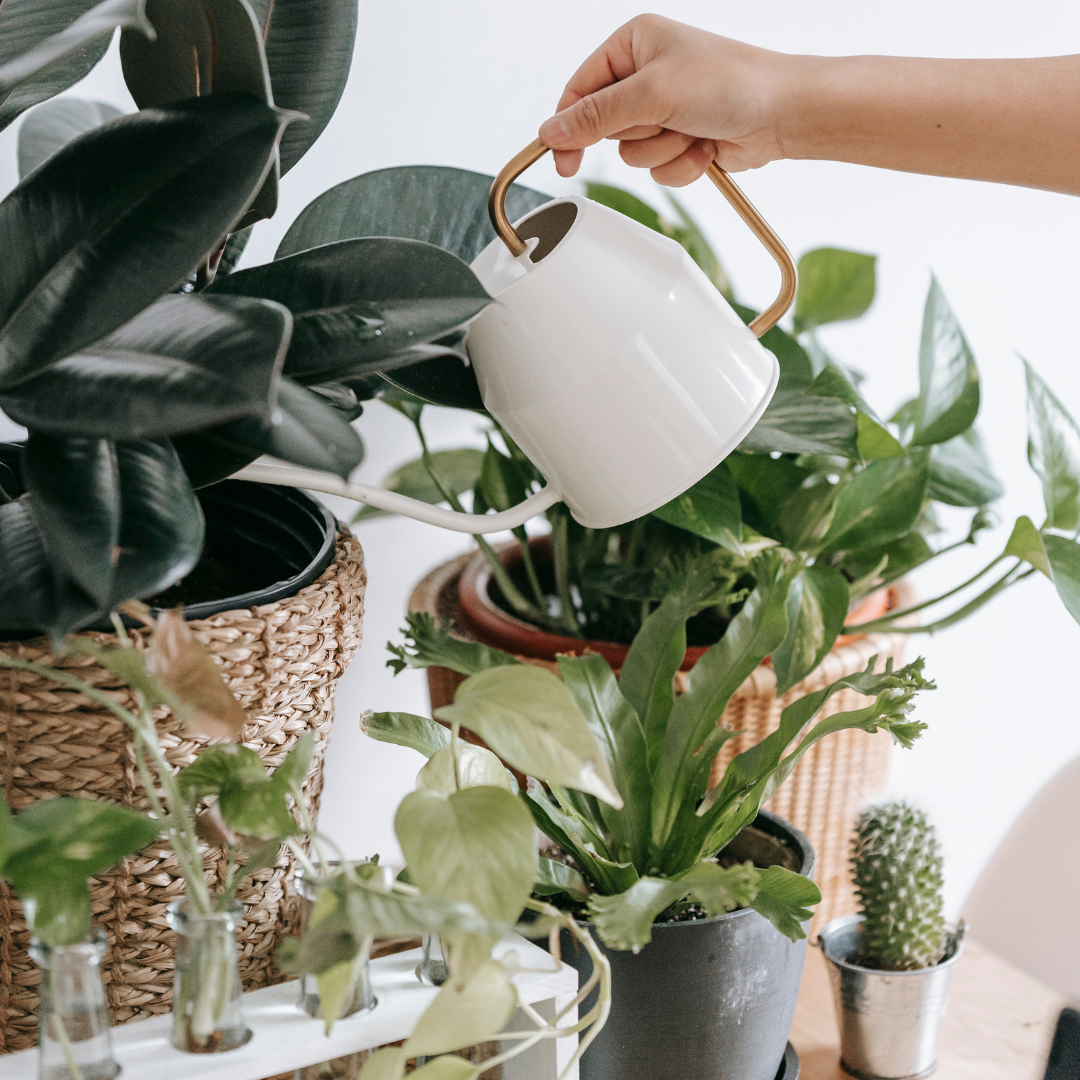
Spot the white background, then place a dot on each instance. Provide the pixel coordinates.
(467, 84)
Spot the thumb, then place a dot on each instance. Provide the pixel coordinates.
(614, 108)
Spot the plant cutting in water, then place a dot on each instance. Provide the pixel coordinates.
(897, 868)
(656, 854)
(853, 495)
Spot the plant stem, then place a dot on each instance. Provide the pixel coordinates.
(58, 1027)
(455, 729)
(530, 567)
(560, 557)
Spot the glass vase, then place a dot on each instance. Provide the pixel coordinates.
(207, 1016)
(73, 1019)
(342, 1068)
(363, 998)
(432, 969)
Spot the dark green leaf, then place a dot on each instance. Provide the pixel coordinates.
(209, 772)
(406, 729)
(47, 47)
(54, 124)
(431, 645)
(234, 248)
(817, 607)
(710, 508)
(185, 363)
(60, 293)
(784, 898)
(34, 596)
(553, 878)
(804, 519)
(902, 556)
(834, 382)
(948, 378)
(201, 47)
(501, 481)
(73, 839)
(834, 285)
(765, 485)
(798, 423)
(309, 49)
(9, 486)
(75, 490)
(443, 380)
(1064, 556)
(1054, 452)
(357, 304)
(879, 503)
(458, 469)
(961, 474)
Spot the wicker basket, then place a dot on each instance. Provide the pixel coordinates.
(828, 788)
(282, 661)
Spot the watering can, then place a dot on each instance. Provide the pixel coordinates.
(608, 357)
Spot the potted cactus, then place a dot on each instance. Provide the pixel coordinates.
(697, 897)
(891, 965)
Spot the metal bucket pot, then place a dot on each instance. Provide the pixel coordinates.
(889, 1020)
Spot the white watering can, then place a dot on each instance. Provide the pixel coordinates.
(609, 357)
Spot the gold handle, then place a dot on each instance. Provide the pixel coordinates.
(730, 190)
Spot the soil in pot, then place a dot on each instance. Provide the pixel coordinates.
(707, 999)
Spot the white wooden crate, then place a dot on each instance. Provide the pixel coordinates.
(284, 1038)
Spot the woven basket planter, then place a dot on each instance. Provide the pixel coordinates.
(828, 788)
(282, 661)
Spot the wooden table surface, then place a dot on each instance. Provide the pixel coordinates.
(998, 1026)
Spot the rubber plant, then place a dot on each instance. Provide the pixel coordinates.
(629, 866)
(138, 376)
(853, 495)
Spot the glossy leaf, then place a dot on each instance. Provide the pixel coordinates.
(47, 47)
(76, 501)
(1064, 556)
(554, 877)
(805, 517)
(406, 729)
(834, 285)
(784, 898)
(948, 378)
(459, 470)
(961, 473)
(710, 508)
(879, 504)
(474, 767)
(60, 294)
(1053, 452)
(187, 670)
(817, 607)
(201, 47)
(1026, 543)
(875, 441)
(256, 808)
(54, 124)
(834, 382)
(33, 595)
(798, 423)
(309, 50)
(528, 717)
(459, 1018)
(765, 486)
(443, 379)
(185, 363)
(356, 304)
(895, 559)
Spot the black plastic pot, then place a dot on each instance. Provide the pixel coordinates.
(711, 999)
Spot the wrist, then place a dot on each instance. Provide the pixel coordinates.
(805, 94)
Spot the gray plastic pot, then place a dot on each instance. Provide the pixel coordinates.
(711, 999)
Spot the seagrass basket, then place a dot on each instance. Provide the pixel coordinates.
(833, 782)
(282, 661)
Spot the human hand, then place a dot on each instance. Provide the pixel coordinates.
(676, 98)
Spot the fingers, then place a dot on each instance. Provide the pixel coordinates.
(688, 166)
(625, 104)
(567, 162)
(659, 150)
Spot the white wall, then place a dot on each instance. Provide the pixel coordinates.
(467, 84)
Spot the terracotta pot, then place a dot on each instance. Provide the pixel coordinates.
(826, 791)
(282, 647)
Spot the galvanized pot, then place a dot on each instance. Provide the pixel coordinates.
(889, 1020)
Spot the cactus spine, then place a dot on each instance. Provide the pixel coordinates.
(897, 869)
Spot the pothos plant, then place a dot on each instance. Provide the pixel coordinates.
(852, 495)
(470, 846)
(140, 367)
(645, 860)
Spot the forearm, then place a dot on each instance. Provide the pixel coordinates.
(1010, 121)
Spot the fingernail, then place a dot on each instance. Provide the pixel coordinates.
(554, 131)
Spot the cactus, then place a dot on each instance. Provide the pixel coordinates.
(897, 870)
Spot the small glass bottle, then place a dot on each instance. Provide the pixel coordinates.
(73, 1018)
(363, 999)
(432, 969)
(207, 1015)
